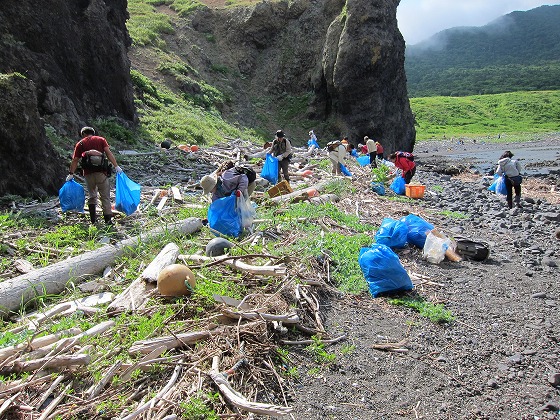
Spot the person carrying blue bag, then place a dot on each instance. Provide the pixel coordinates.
(281, 149)
(93, 154)
(511, 169)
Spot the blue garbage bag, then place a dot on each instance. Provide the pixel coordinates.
(345, 170)
(398, 185)
(392, 233)
(501, 185)
(127, 194)
(270, 169)
(383, 270)
(492, 186)
(72, 196)
(378, 188)
(224, 217)
(418, 229)
(363, 160)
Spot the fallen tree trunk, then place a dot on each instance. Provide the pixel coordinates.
(52, 280)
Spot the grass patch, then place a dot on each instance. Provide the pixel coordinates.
(454, 214)
(435, 313)
(482, 115)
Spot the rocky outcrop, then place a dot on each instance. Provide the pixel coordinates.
(75, 53)
(30, 167)
(343, 60)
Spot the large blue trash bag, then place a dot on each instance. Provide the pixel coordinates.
(501, 185)
(72, 196)
(383, 270)
(392, 233)
(127, 194)
(418, 229)
(363, 160)
(398, 185)
(345, 170)
(270, 169)
(492, 186)
(224, 217)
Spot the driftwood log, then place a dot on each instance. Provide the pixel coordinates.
(53, 279)
(265, 270)
(238, 400)
(137, 293)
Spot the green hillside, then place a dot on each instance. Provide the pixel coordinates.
(481, 115)
(517, 52)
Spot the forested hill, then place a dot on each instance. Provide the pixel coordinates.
(518, 51)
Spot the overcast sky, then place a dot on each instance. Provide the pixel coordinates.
(420, 19)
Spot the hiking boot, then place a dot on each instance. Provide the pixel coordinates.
(510, 204)
(108, 219)
(517, 201)
(92, 213)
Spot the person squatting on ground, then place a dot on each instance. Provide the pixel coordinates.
(337, 152)
(405, 162)
(229, 178)
(511, 168)
(281, 149)
(93, 152)
(372, 151)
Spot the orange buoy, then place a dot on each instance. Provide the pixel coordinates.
(176, 280)
(184, 147)
(307, 172)
(194, 148)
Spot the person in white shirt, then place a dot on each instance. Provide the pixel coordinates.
(511, 168)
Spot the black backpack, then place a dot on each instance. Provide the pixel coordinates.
(251, 174)
(474, 250)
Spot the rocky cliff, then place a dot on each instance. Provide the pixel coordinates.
(345, 59)
(73, 56)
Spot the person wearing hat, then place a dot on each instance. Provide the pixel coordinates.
(372, 151)
(337, 152)
(281, 149)
(93, 152)
(227, 180)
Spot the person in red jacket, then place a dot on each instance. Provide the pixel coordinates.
(405, 162)
(94, 150)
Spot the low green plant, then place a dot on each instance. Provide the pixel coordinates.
(454, 214)
(437, 188)
(434, 312)
(380, 174)
(317, 349)
(196, 408)
(347, 349)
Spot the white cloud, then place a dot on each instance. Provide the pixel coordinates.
(420, 19)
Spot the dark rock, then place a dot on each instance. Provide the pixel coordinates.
(554, 379)
(217, 246)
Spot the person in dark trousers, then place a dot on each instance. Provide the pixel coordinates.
(511, 168)
(93, 151)
(405, 164)
(372, 151)
(282, 150)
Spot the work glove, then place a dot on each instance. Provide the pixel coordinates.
(118, 169)
(279, 158)
(69, 177)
